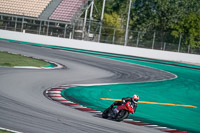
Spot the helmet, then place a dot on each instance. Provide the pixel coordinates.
(135, 98)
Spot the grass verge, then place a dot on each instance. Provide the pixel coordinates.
(4, 131)
(11, 60)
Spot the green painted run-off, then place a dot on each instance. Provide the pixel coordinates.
(185, 89)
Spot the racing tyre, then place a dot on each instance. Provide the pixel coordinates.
(105, 114)
(123, 114)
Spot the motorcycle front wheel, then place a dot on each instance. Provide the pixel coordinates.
(105, 113)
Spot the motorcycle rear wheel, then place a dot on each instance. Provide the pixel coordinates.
(123, 114)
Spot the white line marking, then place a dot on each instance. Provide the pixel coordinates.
(151, 125)
(161, 127)
(65, 102)
(78, 106)
(9, 130)
(57, 98)
(53, 94)
(66, 86)
(136, 121)
(128, 120)
(56, 89)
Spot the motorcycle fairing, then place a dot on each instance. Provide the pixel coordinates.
(126, 106)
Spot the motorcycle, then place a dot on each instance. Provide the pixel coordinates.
(123, 112)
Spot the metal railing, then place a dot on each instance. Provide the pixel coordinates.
(76, 30)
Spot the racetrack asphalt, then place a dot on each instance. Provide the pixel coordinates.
(24, 108)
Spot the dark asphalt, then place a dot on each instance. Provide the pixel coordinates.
(24, 108)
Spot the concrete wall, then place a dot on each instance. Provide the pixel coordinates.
(110, 48)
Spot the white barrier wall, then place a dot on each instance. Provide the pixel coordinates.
(110, 48)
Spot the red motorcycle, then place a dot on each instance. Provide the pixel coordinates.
(123, 112)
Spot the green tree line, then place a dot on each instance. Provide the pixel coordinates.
(179, 17)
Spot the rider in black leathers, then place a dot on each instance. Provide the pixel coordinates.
(133, 100)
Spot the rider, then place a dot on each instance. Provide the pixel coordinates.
(133, 100)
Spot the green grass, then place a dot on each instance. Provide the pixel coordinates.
(3, 131)
(10, 60)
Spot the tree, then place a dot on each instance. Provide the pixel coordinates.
(111, 20)
(189, 28)
(160, 15)
(119, 7)
(110, 24)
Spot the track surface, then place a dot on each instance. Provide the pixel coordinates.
(24, 108)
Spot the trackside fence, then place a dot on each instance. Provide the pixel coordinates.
(90, 31)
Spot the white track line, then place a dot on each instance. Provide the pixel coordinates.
(5, 129)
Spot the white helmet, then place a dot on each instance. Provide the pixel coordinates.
(135, 98)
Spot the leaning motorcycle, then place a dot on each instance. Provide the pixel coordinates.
(123, 112)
